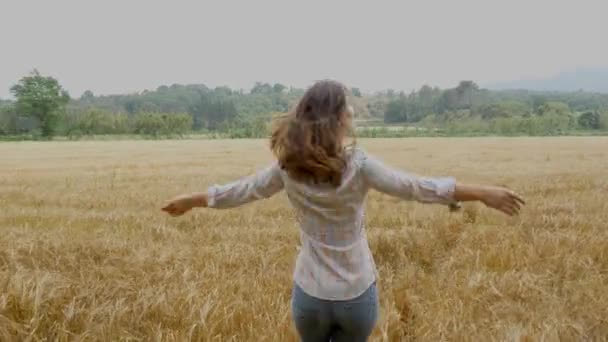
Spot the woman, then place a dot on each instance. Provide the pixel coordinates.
(334, 295)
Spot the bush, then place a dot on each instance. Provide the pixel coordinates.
(151, 124)
(589, 120)
(156, 124)
(604, 120)
(177, 124)
(97, 122)
(8, 122)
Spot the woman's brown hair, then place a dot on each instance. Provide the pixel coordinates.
(308, 141)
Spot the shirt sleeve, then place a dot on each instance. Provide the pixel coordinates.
(260, 185)
(407, 186)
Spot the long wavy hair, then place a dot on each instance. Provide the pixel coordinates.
(309, 141)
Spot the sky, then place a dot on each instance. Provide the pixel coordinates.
(122, 46)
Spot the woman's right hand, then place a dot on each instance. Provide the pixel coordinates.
(179, 205)
(502, 199)
(182, 204)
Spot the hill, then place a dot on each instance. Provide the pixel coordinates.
(590, 79)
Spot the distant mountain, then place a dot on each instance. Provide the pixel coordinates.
(592, 80)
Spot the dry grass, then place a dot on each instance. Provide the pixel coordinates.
(85, 253)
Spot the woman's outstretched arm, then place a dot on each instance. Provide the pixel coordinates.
(262, 184)
(445, 191)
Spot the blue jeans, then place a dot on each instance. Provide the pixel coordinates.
(326, 320)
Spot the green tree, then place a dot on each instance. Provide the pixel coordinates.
(278, 88)
(377, 106)
(604, 120)
(555, 124)
(554, 107)
(87, 96)
(95, 121)
(503, 109)
(503, 126)
(466, 91)
(589, 120)
(537, 101)
(179, 124)
(396, 111)
(42, 98)
(426, 97)
(8, 120)
(152, 124)
(448, 101)
(261, 88)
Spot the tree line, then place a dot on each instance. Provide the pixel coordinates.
(42, 109)
(468, 109)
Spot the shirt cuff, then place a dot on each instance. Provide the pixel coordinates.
(445, 189)
(211, 194)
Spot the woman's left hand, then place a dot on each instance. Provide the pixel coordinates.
(502, 199)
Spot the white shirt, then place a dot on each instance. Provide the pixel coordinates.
(334, 262)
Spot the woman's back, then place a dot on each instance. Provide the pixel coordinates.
(326, 211)
(335, 261)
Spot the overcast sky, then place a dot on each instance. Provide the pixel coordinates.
(117, 46)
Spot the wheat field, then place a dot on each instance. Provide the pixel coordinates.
(87, 255)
